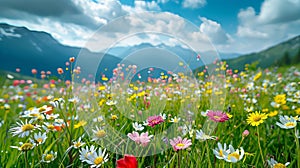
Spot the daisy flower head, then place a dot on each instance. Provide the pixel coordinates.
(256, 118)
(137, 126)
(38, 138)
(286, 122)
(111, 103)
(200, 135)
(57, 102)
(77, 144)
(23, 129)
(155, 120)
(74, 100)
(217, 116)
(175, 120)
(233, 155)
(24, 146)
(180, 144)
(221, 151)
(97, 159)
(274, 164)
(85, 152)
(49, 157)
(98, 133)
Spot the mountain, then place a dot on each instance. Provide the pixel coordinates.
(269, 56)
(26, 49)
(183, 53)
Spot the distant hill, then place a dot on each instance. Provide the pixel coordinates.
(269, 56)
(178, 50)
(26, 49)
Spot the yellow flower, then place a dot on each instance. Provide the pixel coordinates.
(273, 113)
(280, 99)
(285, 107)
(256, 118)
(297, 111)
(80, 124)
(101, 88)
(229, 115)
(257, 76)
(114, 117)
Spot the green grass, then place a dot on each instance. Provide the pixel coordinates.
(275, 142)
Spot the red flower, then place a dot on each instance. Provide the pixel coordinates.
(129, 161)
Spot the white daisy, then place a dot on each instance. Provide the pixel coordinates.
(286, 122)
(221, 151)
(49, 157)
(200, 135)
(137, 126)
(234, 155)
(38, 138)
(23, 129)
(97, 159)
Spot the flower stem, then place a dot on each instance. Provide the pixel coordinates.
(179, 159)
(298, 148)
(209, 162)
(241, 142)
(258, 140)
(26, 161)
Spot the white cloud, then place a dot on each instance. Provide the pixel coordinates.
(193, 3)
(214, 31)
(279, 11)
(146, 6)
(277, 21)
(162, 1)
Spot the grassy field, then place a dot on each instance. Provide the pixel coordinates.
(168, 122)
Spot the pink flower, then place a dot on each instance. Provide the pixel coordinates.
(34, 71)
(179, 143)
(217, 116)
(245, 133)
(142, 139)
(154, 120)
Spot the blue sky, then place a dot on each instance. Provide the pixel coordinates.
(233, 26)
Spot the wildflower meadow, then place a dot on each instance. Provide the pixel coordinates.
(247, 119)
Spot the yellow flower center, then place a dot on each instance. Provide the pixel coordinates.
(290, 124)
(51, 127)
(77, 144)
(34, 115)
(217, 117)
(279, 165)
(98, 160)
(39, 140)
(235, 155)
(221, 153)
(27, 127)
(42, 109)
(180, 145)
(48, 157)
(26, 146)
(100, 133)
(256, 118)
